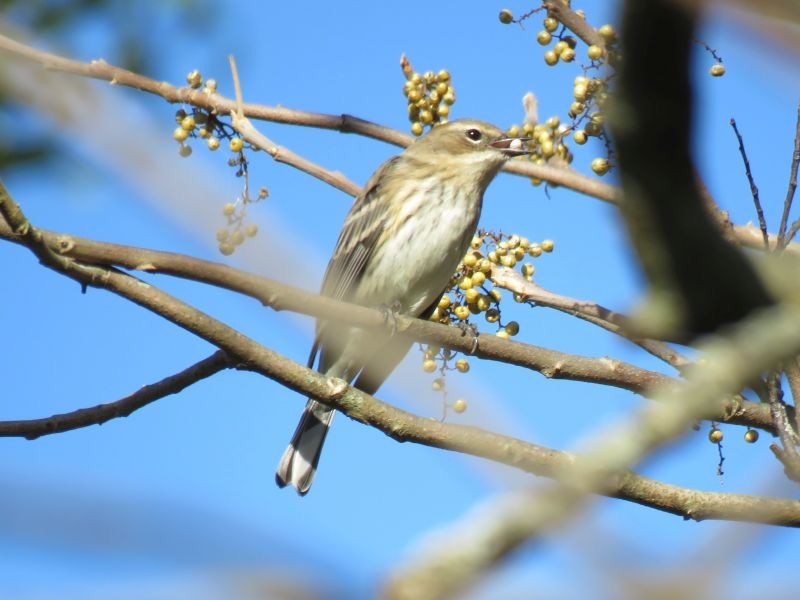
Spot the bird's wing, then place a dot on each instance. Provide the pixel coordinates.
(362, 228)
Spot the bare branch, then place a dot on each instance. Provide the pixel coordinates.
(279, 296)
(97, 415)
(396, 423)
(762, 223)
(583, 309)
(787, 203)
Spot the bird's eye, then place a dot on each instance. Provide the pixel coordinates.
(474, 134)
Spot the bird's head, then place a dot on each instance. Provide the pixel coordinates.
(468, 142)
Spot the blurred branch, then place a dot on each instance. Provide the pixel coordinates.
(403, 426)
(698, 281)
(97, 415)
(472, 550)
(279, 296)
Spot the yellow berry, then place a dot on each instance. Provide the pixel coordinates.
(751, 436)
(460, 405)
(512, 328)
(478, 278)
(185, 150)
(226, 248)
(213, 143)
(502, 334)
(228, 209)
(477, 241)
(470, 260)
(595, 52)
(492, 315)
(263, 193)
(462, 365)
(550, 24)
(222, 234)
(607, 32)
(443, 76)
(560, 46)
(461, 312)
(416, 128)
(567, 55)
(579, 137)
(203, 132)
(550, 57)
(236, 144)
(600, 166)
(180, 134)
(548, 245)
(528, 269)
(506, 16)
(188, 122)
(496, 295)
(443, 110)
(717, 70)
(444, 303)
(544, 37)
(429, 365)
(465, 283)
(449, 98)
(211, 86)
(237, 238)
(438, 384)
(715, 436)
(251, 230)
(472, 295)
(194, 79)
(579, 91)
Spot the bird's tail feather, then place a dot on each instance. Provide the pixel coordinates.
(299, 462)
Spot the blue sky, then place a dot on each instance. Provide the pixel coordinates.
(178, 500)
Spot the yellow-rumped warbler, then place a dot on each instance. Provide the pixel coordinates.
(399, 246)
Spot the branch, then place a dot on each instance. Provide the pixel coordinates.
(97, 415)
(762, 223)
(588, 311)
(396, 423)
(99, 69)
(746, 349)
(279, 296)
(787, 203)
(698, 281)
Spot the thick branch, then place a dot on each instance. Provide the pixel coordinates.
(362, 407)
(279, 296)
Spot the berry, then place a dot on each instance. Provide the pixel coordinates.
(460, 405)
(506, 16)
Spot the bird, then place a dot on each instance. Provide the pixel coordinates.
(399, 247)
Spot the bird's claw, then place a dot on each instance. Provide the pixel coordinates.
(390, 312)
(470, 329)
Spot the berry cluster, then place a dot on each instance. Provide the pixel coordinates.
(207, 125)
(469, 295)
(590, 92)
(429, 95)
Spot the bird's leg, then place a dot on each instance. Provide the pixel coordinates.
(390, 312)
(470, 329)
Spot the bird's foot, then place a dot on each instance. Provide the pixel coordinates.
(472, 330)
(390, 312)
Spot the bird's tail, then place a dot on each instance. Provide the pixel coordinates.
(299, 462)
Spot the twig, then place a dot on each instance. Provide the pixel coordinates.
(787, 203)
(589, 311)
(97, 415)
(279, 296)
(762, 223)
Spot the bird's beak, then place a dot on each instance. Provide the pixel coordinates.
(512, 146)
